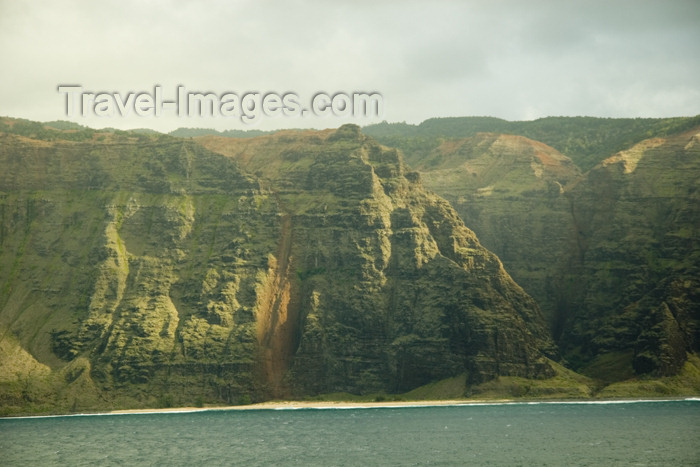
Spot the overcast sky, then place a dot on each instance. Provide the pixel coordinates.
(517, 60)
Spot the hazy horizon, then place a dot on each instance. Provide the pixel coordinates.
(507, 59)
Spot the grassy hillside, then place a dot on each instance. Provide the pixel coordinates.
(586, 140)
(146, 270)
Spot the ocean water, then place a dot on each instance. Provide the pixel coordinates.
(641, 433)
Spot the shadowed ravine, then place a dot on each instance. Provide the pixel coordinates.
(150, 271)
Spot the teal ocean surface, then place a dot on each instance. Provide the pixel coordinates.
(652, 433)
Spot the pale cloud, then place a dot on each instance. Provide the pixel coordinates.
(509, 59)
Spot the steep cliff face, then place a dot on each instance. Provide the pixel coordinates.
(149, 269)
(611, 256)
(393, 290)
(510, 191)
(142, 258)
(638, 240)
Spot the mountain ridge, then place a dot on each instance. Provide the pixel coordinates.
(578, 252)
(586, 140)
(144, 269)
(305, 262)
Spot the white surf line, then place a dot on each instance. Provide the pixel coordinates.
(358, 407)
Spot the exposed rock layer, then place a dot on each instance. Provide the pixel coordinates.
(611, 255)
(138, 266)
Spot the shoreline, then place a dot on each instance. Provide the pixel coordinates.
(300, 405)
(346, 405)
(297, 405)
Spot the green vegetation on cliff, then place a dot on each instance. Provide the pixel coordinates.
(586, 140)
(147, 270)
(610, 255)
(394, 291)
(130, 260)
(637, 273)
(510, 191)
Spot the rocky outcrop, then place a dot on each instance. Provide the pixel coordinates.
(141, 269)
(510, 191)
(611, 255)
(394, 290)
(638, 239)
(143, 255)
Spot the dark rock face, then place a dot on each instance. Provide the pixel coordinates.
(509, 190)
(133, 257)
(638, 236)
(150, 269)
(661, 344)
(394, 291)
(611, 256)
